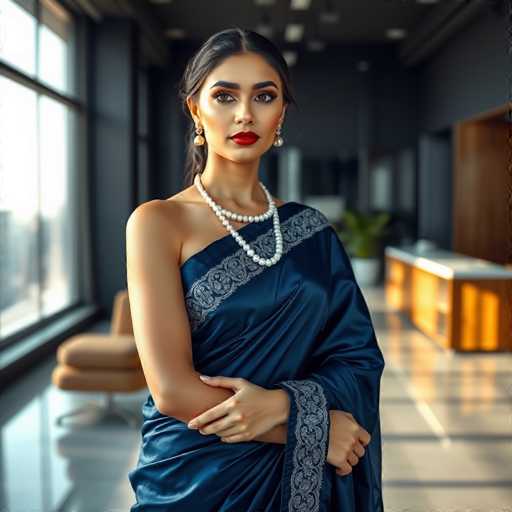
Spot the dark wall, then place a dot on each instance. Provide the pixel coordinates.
(170, 126)
(468, 75)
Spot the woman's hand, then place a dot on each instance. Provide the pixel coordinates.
(346, 441)
(250, 412)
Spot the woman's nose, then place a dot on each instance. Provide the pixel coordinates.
(244, 113)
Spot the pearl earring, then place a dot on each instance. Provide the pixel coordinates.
(199, 139)
(278, 142)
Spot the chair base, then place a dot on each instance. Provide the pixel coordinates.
(109, 408)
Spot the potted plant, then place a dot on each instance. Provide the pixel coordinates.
(361, 234)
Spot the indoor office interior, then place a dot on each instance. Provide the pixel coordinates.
(402, 139)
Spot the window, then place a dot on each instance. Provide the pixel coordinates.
(18, 34)
(40, 119)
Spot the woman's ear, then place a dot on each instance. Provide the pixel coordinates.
(192, 107)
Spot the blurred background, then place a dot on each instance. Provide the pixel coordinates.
(402, 139)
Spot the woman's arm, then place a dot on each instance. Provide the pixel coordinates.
(159, 317)
(160, 321)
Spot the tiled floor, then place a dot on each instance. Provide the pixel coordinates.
(446, 424)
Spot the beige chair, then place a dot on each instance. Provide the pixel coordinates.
(102, 362)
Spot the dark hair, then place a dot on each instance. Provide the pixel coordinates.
(217, 48)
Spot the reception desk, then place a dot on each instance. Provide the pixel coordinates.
(461, 302)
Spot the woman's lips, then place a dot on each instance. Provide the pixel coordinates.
(245, 139)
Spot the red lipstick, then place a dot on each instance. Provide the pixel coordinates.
(245, 138)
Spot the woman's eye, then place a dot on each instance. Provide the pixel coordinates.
(222, 94)
(217, 96)
(270, 96)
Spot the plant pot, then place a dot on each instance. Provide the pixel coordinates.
(366, 270)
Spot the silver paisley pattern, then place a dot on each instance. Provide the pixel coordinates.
(220, 281)
(310, 452)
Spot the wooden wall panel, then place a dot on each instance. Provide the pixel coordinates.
(480, 187)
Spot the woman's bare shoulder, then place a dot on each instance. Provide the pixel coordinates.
(157, 222)
(171, 208)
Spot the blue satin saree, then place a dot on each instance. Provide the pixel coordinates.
(301, 325)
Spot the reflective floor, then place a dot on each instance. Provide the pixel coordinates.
(446, 424)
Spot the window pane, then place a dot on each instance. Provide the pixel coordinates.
(19, 277)
(38, 216)
(18, 34)
(38, 203)
(56, 43)
(58, 203)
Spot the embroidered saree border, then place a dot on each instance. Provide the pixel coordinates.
(306, 451)
(219, 282)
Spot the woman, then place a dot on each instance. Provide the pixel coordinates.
(229, 282)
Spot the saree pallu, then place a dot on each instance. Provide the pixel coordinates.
(301, 325)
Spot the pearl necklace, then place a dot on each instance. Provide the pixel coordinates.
(223, 213)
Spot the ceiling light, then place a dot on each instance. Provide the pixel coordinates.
(300, 5)
(315, 45)
(175, 33)
(396, 33)
(264, 2)
(265, 30)
(290, 57)
(329, 17)
(293, 32)
(363, 65)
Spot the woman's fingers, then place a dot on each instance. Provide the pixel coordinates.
(212, 414)
(364, 436)
(227, 422)
(352, 458)
(344, 469)
(359, 449)
(231, 430)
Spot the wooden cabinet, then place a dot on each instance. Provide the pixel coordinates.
(462, 303)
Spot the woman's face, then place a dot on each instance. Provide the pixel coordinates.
(224, 109)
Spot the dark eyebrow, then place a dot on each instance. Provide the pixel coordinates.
(234, 85)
